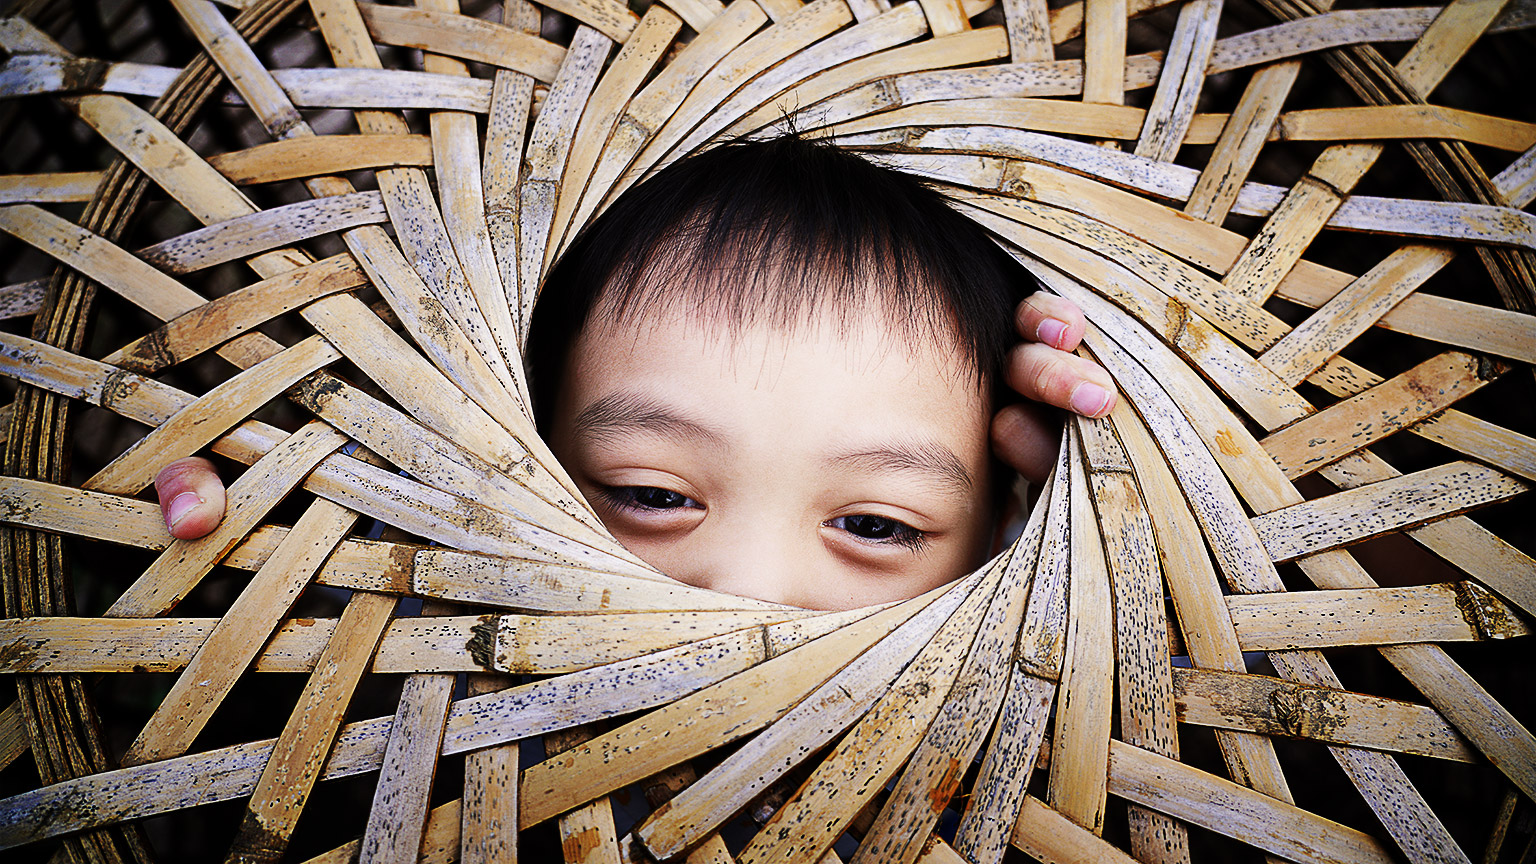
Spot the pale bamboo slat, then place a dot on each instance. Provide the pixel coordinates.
(1254, 439)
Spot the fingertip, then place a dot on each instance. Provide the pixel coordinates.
(1092, 400)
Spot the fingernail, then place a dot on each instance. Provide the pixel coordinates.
(1090, 400)
(1051, 332)
(180, 506)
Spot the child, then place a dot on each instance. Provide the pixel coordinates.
(772, 367)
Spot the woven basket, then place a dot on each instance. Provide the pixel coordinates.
(333, 219)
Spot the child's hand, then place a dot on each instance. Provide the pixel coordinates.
(191, 497)
(1043, 369)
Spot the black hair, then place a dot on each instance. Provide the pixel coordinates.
(778, 232)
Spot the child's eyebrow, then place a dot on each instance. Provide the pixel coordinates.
(930, 460)
(618, 413)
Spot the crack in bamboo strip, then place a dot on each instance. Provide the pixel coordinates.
(735, 707)
(446, 32)
(547, 152)
(185, 562)
(859, 765)
(295, 761)
(263, 231)
(1178, 87)
(402, 799)
(809, 725)
(456, 160)
(996, 795)
(802, 102)
(1388, 505)
(616, 89)
(747, 60)
(222, 319)
(1352, 424)
(1225, 807)
(1272, 706)
(62, 187)
(659, 100)
(1079, 747)
(933, 774)
(299, 158)
(1146, 694)
(222, 658)
(208, 418)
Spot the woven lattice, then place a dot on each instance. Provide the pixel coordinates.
(370, 195)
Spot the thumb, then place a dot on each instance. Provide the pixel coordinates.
(191, 497)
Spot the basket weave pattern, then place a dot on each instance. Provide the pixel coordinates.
(339, 305)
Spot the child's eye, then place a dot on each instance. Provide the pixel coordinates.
(650, 498)
(880, 529)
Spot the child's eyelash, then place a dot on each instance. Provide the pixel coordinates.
(633, 498)
(903, 535)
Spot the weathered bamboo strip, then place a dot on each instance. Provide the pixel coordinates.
(1368, 511)
(401, 801)
(1452, 611)
(505, 131)
(264, 230)
(1080, 741)
(296, 158)
(295, 760)
(1363, 419)
(1203, 799)
(614, 91)
(608, 17)
(1178, 86)
(22, 298)
(988, 819)
(697, 14)
(439, 845)
(488, 828)
(933, 775)
(587, 834)
(1053, 838)
(1146, 695)
(1104, 31)
(223, 657)
(547, 152)
(56, 188)
(14, 740)
(1273, 707)
(381, 90)
(833, 706)
(441, 31)
(37, 74)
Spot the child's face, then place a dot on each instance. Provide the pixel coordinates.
(830, 468)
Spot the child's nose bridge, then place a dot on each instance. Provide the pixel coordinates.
(765, 559)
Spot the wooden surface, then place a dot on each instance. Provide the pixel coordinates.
(1277, 606)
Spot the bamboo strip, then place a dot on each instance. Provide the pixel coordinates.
(1274, 707)
(505, 130)
(1363, 419)
(38, 74)
(181, 566)
(735, 707)
(548, 150)
(1029, 30)
(945, 17)
(381, 90)
(22, 298)
(401, 801)
(235, 313)
(934, 773)
(697, 14)
(53, 188)
(614, 91)
(1368, 511)
(1141, 628)
(488, 815)
(996, 796)
(1055, 839)
(1178, 87)
(542, 645)
(197, 425)
(860, 764)
(611, 18)
(222, 658)
(440, 31)
(14, 739)
(297, 158)
(1227, 808)
(807, 726)
(264, 230)
(66, 510)
(659, 100)
(587, 834)
(311, 732)
(1104, 31)
(1452, 611)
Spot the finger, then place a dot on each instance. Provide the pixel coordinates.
(1051, 320)
(1027, 439)
(191, 497)
(1061, 379)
